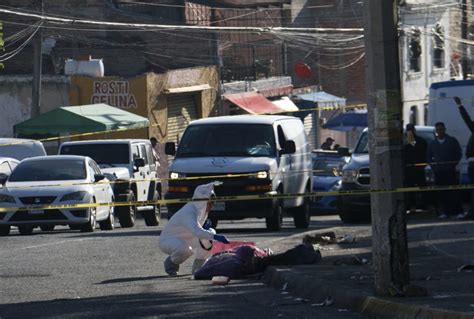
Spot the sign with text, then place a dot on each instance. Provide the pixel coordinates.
(115, 92)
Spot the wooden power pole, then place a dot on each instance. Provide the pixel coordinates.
(37, 69)
(389, 247)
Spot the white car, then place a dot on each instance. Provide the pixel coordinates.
(56, 180)
(7, 164)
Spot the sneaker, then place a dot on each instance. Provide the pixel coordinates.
(443, 216)
(170, 267)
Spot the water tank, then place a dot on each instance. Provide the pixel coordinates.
(92, 67)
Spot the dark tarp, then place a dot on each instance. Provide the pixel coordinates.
(348, 121)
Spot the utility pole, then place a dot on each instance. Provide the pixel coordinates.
(389, 239)
(464, 29)
(37, 66)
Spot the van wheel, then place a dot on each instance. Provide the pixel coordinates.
(4, 230)
(302, 214)
(126, 214)
(152, 217)
(26, 229)
(47, 227)
(275, 222)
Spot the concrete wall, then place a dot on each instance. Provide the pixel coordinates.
(15, 99)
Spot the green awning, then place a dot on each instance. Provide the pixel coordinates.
(80, 119)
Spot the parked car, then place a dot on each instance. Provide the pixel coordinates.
(269, 154)
(130, 165)
(7, 165)
(19, 148)
(327, 166)
(356, 176)
(56, 180)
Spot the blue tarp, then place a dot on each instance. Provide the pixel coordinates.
(348, 121)
(316, 99)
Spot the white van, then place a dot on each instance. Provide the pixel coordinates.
(19, 148)
(269, 154)
(442, 108)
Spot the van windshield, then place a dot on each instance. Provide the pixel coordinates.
(238, 140)
(103, 154)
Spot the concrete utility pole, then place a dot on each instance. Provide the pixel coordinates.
(464, 29)
(37, 66)
(390, 250)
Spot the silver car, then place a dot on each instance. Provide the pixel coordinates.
(74, 183)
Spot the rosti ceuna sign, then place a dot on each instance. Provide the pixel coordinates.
(116, 93)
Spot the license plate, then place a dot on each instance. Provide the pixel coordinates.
(36, 212)
(219, 206)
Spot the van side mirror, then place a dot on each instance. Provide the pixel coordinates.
(98, 177)
(343, 151)
(170, 148)
(290, 148)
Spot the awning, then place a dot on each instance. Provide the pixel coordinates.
(286, 104)
(348, 121)
(80, 119)
(253, 103)
(188, 89)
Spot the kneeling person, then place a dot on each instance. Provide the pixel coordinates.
(181, 237)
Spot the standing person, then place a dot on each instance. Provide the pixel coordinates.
(415, 151)
(444, 153)
(469, 155)
(154, 142)
(182, 236)
(327, 145)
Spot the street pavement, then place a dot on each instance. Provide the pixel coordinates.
(345, 277)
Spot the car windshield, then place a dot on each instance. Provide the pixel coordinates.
(227, 140)
(103, 154)
(327, 166)
(49, 170)
(363, 145)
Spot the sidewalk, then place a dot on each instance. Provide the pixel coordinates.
(437, 249)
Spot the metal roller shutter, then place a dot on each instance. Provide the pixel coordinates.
(181, 110)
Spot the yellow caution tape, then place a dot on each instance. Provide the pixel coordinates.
(244, 197)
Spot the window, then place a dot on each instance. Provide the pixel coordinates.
(135, 152)
(438, 46)
(414, 50)
(413, 117)
(143, 153)
(5, 168)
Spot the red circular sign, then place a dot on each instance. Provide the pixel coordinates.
(302, 70)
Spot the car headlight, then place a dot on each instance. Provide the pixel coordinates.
(262, 175)
(349, 176)
(74, 196)
(6, 199)
(176, 175)
(336, 186)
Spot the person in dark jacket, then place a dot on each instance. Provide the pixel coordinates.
(469, 155)
(415, 150)
(327, 145)
(444, 153)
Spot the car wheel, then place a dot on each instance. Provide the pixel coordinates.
(302, 214)
(152, 216)
(109, 223)
(89, 227)
(126, 214)
(349, 216)
(26, 229)
(275, 221)
(47, 227)
(4, 230)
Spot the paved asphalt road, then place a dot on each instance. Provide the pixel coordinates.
(119, 274)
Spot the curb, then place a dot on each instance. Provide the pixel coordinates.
(345, 297)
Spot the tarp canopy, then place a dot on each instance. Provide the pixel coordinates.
(313, 100)
(253, 103)
(286, 104)
(80, 119)
(348, 121)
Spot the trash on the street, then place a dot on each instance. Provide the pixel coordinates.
(327, 302)
(328, 238)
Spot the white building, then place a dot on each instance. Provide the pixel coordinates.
(429, 51)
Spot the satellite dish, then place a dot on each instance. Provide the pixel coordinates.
(303, 70)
